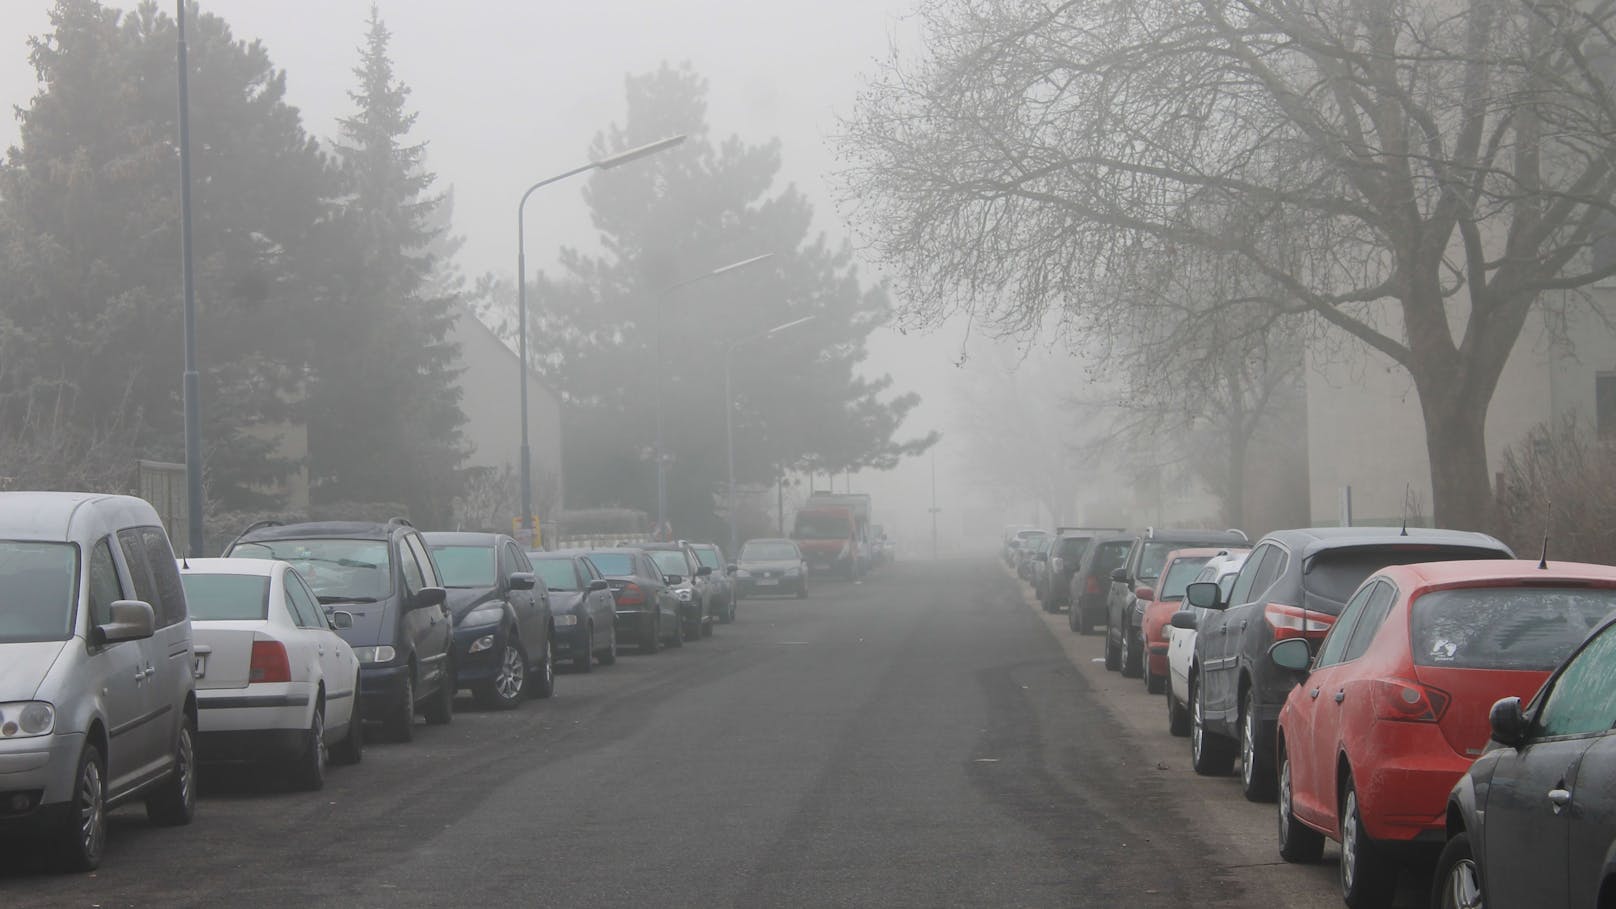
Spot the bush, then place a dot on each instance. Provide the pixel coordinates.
(1559, 481)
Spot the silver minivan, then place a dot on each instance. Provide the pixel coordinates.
(97, 685)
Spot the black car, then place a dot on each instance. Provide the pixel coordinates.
(581, 607)
(1090, 585)
(1293, 584)
(721, 583)
(647, 609)
(687, 577)
(1125, 608)
(773, 566)
(503, 648)
(1065, 555)
(1533, 821)
(383, 575)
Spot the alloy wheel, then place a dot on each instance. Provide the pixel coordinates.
(1349, 840)
(508, 681)
(1248, 748)
(1461, 889)
(1284, 799)
(92, 811)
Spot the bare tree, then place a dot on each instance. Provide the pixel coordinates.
(1432, 166)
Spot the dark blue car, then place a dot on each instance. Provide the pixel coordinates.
(503, 633)
(581, 605)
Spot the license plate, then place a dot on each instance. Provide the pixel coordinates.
(201, 667)
(767, 582)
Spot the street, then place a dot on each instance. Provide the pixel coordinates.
(922, 739)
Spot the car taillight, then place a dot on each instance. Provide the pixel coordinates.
(630, 595)
(1397, 699)
(1091, 585)
(1296, 622)
(269, 663)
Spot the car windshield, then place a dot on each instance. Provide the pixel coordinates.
(226, 597)
(1332, 576)
(671, 561)
(822, 526)
(557, 574)
(1517, 628)
(707, 556)
(770, 551)
(466, 566)
(613, 564)
(336, 569)
(1179, 575)
(38, 590)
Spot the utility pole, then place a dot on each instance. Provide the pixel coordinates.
(191, 379)
(934, 508)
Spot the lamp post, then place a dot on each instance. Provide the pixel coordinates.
(191, 380)
(521, 298)
(729, 419)
(661, 453)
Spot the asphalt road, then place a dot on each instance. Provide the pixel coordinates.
(921, 739)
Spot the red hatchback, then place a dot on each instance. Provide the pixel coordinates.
(1394, 708)
(1178, 571)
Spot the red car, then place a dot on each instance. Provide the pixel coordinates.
(1181, 567)
(1394, 708)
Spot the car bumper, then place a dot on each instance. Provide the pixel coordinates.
(474, 668)
(42, 771)
(380, 687)
(248, 745)
(569, 641)
(635, 622)
(1405, 795)
(763, 586)
(283, 705)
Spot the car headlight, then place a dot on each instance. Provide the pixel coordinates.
(382, 654)
(683, 595)
(486, 642)
(793, 572)
(487, 615)
(26, 719)
(564, 621)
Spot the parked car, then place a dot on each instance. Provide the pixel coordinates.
(1533, 821)
(581, 607)
(95, 671)
(1181, 568)
(1133, 585)
(1293, 586)
(721, 582)
(1029, 545)
(275, 683)
(1394, 709)
(383, 575)
(1090, 586)
(1065, 555)
(1039, 570)
(647, 609)
(687, 577)
(504, 638)
(1220, 570)
(771, 566)
(1012, 541)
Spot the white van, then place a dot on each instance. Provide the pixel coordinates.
(97, 692)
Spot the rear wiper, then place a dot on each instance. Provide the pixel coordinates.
(342, 599)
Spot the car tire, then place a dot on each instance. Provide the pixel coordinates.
(727, 615)
(1113, 651)
(707, 629)
(1074, 620)
(1178, 716)
(651, 640)
(1154, 684)
(1133, 657)
(173, 804)
(1257, 778)
(1298, 843)
(802, 590)
(1210, 754)
(609, 655)
(400, 722)
(509, 686)
(308, 770)
(1368, 876)
(1457, 882)
(585, 661)
(439, 709)
(82, 837)
(351, 750)
(678, 639)
(542, 685)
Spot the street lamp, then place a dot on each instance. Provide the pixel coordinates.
(661, 454)
(521, 298)
(729, 419)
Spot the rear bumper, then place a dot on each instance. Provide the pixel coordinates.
(1405, 794)
(570, 641)
(636, 623)
(248, 745)
(380, 688)
(253, 708)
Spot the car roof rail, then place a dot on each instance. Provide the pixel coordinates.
(1242, 533)
(267, 522)
(400, 521)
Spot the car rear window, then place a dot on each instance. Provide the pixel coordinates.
(226, 597)
(1331, 577)
(1522, 628)
(557, 574)
(1108, 557)
(615, 564)
(1074, 547)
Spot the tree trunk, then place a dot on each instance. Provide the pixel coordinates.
(1234, 488)
(1456, 443)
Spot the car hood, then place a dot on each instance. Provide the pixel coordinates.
(23, 666)
(773, 565)
(565, 600)
(462, 600)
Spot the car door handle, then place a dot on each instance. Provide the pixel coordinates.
(1314, 694)
(1243, 625)
(1341, 695)
(1559, 798)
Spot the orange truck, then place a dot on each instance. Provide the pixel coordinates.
(833, 532)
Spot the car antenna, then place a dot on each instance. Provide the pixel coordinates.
(1548, 517)
(1408, 489)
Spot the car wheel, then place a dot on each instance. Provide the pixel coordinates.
(174, 802)
(351, 750)
(1297, 842)
(308, 772)
(585, 661)
(1210, 754)
(439, 710)
(1113, 651)
(1458, 876)
(1256, 763)
(707, 629)
(1368, 878)
(802, 590)
(544, 685)
(727, 615)
(678, 638)
(1154, 684)
(609, 655)
(400, 723)
(651, 640)
(1074, 619)
(1133, 657)
(1178, 718)
(509, 685)
(83, 834)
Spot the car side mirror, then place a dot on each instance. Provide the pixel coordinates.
(1292, 654)
(731, 569)
(1119, 575)
(674, 579)
(1145, 593)
(597, 585)
(1204, 594)
(341, 620)
(130, 620)
(704, 571)
(1508, 722)
(429, 596)
(523, 580)
(1188, 621)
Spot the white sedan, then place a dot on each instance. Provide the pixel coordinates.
(274, 682)
(1181, 641)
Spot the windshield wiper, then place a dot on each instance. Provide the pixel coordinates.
(345, 599)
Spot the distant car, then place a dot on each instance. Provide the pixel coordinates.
(1038, 572)
(721, 583)
(1028, 544)
(582, 607)
(1292, 586)
(1090, 586)
(97, 694)
(1181, 568)
(687, 577)
(383, 575)
(1065, 555)
(275, 684)
(771, 566)
(1219, 570)
(1533, 821)
(1133, 585)
(1394, 709)
(1012, 540)
(504, 642)
(647, 609)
